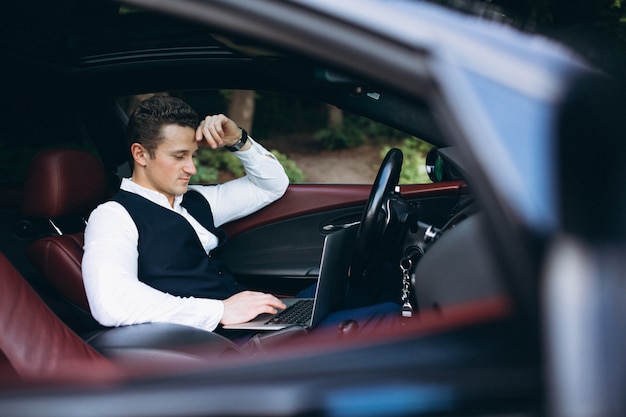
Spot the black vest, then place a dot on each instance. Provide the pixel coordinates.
(171, 256)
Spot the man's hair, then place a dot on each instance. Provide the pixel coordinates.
(152, 114)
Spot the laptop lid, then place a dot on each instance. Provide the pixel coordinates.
(331, 284)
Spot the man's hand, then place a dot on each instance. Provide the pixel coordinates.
(218, 130)
(246, 305)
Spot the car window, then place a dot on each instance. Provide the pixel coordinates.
(316, 142)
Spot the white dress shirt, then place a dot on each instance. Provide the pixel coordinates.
(117, 297)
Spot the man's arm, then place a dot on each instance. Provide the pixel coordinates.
(116, 296)
(265, 180)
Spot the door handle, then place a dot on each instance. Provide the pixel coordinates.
(335, 227)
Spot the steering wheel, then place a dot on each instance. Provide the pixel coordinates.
(375, 217)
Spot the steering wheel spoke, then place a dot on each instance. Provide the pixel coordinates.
(376, 216)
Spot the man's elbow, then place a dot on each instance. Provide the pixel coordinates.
(107, 316)
(104, 317)
(284, 184)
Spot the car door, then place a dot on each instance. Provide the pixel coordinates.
(279, 248)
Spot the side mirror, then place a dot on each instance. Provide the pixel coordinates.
(439, 169)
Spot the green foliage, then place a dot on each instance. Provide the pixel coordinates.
(414, 162)
(294, 173)
(355, 131)
(210, 163)
(205, 175)
(339, 137)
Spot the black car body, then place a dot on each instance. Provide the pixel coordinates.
(518, 292)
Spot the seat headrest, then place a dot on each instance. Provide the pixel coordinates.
(63, 182)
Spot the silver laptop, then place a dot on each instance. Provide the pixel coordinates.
(330, 292)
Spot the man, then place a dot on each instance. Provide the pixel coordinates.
(148, 251)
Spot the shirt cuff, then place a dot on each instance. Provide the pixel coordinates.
(255, 153)
(209, 313)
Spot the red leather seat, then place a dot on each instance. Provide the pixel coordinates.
(34, 343)
(36, 346)
(59, 184)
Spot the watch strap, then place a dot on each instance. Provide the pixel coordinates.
(239, 144)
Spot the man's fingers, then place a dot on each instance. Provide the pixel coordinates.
(279, 304)
(246, 305)
(270, 300)
(211, 129)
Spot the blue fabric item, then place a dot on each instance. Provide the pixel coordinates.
(368, 317)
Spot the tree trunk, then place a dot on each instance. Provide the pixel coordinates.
(335, 116)
(241, 108)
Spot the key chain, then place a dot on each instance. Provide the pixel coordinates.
(407, 309)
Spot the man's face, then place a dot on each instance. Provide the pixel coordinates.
(172, 165)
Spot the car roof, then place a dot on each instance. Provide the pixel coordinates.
(113, 49)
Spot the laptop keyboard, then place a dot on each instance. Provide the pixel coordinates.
(298, 313)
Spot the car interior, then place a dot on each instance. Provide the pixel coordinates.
(63, 104)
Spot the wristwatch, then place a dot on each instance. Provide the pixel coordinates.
(239, 144)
